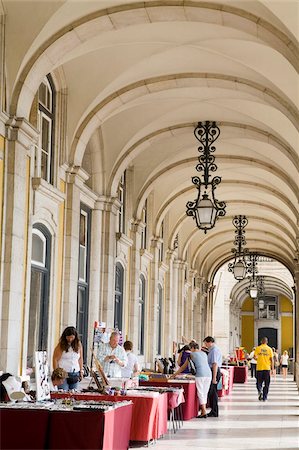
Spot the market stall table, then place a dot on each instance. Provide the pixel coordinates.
(191, 404)
(149, 416)
(231, 370)
(29, 427)
(240, 374)
(107, 430)
(23, 428)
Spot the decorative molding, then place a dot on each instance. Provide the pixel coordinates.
(46, 189)
(123, 239)
(19, 129)
(163, 268)
(145, 254)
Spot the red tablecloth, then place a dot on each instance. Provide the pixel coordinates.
(149, 417)
(240, 374)
(80, 430)
(76, 430)
(191, 405)
(231, 371)
(175, 398)
(23, 428)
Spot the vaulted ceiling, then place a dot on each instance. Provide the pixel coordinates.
(140, 75)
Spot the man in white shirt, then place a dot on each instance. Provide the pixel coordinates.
(112, 356)
(132, 368)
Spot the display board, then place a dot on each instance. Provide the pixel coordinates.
(41, 376)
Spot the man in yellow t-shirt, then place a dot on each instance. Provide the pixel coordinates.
(265, 363)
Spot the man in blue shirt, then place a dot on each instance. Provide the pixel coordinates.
(215, 362)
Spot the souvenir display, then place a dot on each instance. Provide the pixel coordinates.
(41, 376)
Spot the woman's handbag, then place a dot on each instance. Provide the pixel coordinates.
(73, 377)
(192, 367)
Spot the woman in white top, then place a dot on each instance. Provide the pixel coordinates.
(68, 355)
(132, 368)
(253, 363)
(284, 361)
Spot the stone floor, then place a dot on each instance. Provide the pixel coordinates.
(244, 422)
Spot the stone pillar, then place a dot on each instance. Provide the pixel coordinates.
(190, 304)
(181, 299)
(296, 322)
(152, 300)
(16, 261)
(95, 264)
(109, 207)
(197, 322)
(170, 306)
(135, 268)
(211, 289)
(175, 300)
(75, 178)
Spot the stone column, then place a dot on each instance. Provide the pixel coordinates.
(170, 306)
(153, 299)
(296, 322)
(95, 264)
(16, 261)
(175, 297)
(181, 299)
(211, 289)
(190, 302)
(109, 207)
(135, 268)
(75, 179)
(197, 322)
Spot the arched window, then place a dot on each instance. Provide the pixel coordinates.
(119, 297)
(141, 314)
(159, 319)
(46, 115)
(144, 230)
(122, 200)
(83, 276)
(39, 292)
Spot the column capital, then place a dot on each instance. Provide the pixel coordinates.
(109, 204)
(156, 241)
(20, 130)
(76, 175)
(137, 226)
(171, 255)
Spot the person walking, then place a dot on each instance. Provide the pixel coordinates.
(202, 377)
(284, 361)
(265, 365)
(252, 361)
(275, 361)
(215, 362)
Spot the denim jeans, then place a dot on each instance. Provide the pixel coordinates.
(71, 382)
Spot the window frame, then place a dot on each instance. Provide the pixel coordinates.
(141, 314)
(118, 310)
(44, 112)
(84, 285)
(42, 322)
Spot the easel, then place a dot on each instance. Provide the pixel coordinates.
(100, 369)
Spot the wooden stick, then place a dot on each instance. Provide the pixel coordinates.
(100, 369)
